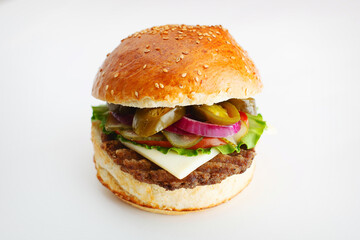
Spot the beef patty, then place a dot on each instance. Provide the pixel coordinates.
(213, 171)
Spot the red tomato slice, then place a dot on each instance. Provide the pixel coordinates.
(244, 118)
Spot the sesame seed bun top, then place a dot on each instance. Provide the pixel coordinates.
(176, 65)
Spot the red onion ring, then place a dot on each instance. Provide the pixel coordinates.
(124, 119)
(207, 129)
(177, 130)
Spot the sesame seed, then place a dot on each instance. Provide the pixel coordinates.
(209, 39)
(196, 79)
(112, 92)
(180, 32)
(157, 48)
(136, 94)
(192, 93)
(185, 52)
(183, 75)
(177, 59)
(156, 85)
(165, 32)
(116, 75)
(213, 36)
(199, 72)
(218, 32)
(147, 46)
(106, 87)
(120, 64)
(197, 41)
(161, 85)
(227, 42)
(200, 34)
(182, 56)
(144, 66)
(200, 37)
(146, 50)
(206, 66)
(181, 86)
(232, 57)
(165, 38)
(165, 70)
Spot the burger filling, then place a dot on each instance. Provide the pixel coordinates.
(142, 169)
(227, 126)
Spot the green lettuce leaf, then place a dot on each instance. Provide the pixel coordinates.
(256, 129)
(257, 126)
(227, 149)
(101, 113)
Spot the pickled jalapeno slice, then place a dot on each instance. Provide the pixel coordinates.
(222, 114)
(148, 121)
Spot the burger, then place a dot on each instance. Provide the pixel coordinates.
(179, 127)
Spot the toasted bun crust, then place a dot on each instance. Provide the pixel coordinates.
(153, 198)
(175, 65)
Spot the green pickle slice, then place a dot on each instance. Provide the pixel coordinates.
(148, 121)
(182, 141)
(131, 135)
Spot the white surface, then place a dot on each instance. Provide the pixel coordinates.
(307, 183)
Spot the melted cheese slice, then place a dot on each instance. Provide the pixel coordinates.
(178, 165)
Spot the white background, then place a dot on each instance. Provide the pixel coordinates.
(307, 183)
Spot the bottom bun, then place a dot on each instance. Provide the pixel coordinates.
(152, 197)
